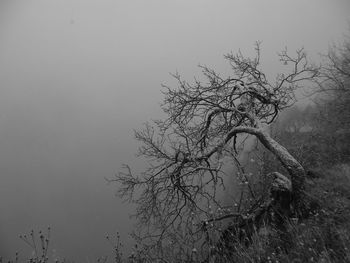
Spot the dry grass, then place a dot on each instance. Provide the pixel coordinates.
(324, 236)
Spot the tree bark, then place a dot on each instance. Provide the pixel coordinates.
(294, 168)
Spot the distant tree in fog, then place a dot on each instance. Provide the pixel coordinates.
(205, 122)
(332, 122)
(319, 134)
(336, 70)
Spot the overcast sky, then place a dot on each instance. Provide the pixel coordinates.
(76, 76)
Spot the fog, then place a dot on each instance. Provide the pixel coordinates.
(77, 76)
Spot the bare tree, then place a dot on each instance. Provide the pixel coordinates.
(186, 152)
(335, 74)
(332, 121)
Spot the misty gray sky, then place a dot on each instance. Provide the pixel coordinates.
(76, 76)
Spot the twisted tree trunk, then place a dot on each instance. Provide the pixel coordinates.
(284, 200)
(293, 167)
(295, 170)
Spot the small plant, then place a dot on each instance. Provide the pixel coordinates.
(117, 248)
(10, 261)
(40, 245)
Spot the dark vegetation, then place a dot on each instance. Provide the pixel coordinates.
(292, 164)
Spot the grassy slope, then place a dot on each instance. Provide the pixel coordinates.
(322, 237)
